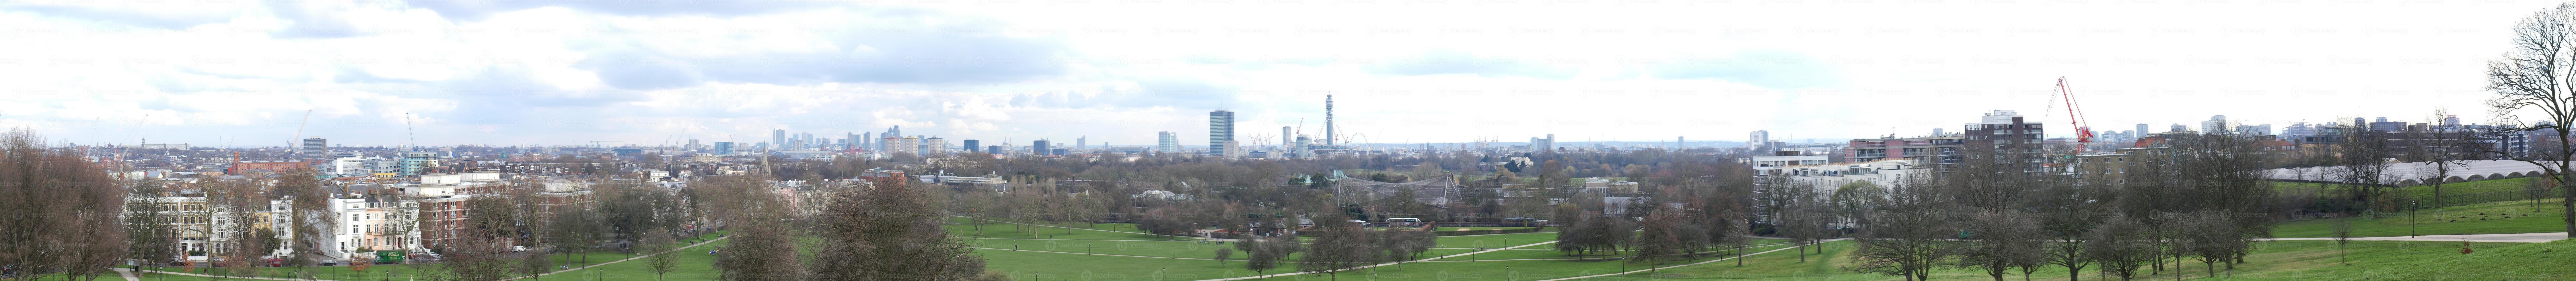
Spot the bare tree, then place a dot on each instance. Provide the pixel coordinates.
(535, 265)
(1908, 233)
(889, 233)
(763, 246)
(1338, 245)
(1668, 235)
(657, 242)
(2000, 241)
(490, 222)
(53, 206)
(2534, 76)
(1222, 254)
(149, 224)
(2121, 246)
(1265, 254)
(309, 212)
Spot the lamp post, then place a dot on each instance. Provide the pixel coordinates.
(1507, 273)
(2411, 207)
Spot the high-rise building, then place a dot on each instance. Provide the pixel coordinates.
(933, 146)
(724, 148)
(2217, 124)
(2142, 128)
(993, 149)
(1328, 122)
(1543, 144)
(2014, 142)
(1081, 142)
(1220, 133)
(316, 148)
(1167, 142)
(902, 144)
(1040, 148)
(972, 145)
(891, 132)
(1284, 132)
(778, 137)
(693, 145)
(1759, 138)
(867, 140)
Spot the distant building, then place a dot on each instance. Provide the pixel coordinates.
(1167, 142)
(1943, 147)
(1543, 144)
(1221, 134)
(972, 145)
(932, 146)
(724, 148)
(1761, 138)
(1828, 177)
(316, 148)
(1041, 148)
(2010, 140)
(2217, 124)
(778, 137)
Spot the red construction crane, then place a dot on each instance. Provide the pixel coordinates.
(2074, 116)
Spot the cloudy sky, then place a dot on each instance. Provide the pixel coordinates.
(656, 71)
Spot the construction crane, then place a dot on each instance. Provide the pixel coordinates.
(2074, 116)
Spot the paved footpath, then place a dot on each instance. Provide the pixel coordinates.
(2507, 237)
(128, 273)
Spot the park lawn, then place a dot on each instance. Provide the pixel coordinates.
(1523, 253)
(1498, 240)
(694, 264)
(2484, 191)
(1119, 227)
(1053, 266)
(2493, 261)
(960, 228)
(1491, 270)
(2522, 219)
(1182, 249)
(2275, 260)
(1536, 252)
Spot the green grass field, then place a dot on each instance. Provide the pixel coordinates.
(2454, 194)
(2488, 218)
(2276, 260)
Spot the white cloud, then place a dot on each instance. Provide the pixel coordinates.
(520, 72)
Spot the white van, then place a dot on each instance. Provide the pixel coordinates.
(1403, 219)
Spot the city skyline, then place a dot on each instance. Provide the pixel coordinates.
(382, 74)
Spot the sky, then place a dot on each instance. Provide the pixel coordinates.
(656, 72)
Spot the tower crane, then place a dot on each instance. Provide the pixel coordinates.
(2074, 116)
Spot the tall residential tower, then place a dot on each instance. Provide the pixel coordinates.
(1220, 133)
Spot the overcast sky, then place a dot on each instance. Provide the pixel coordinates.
(647, 72)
